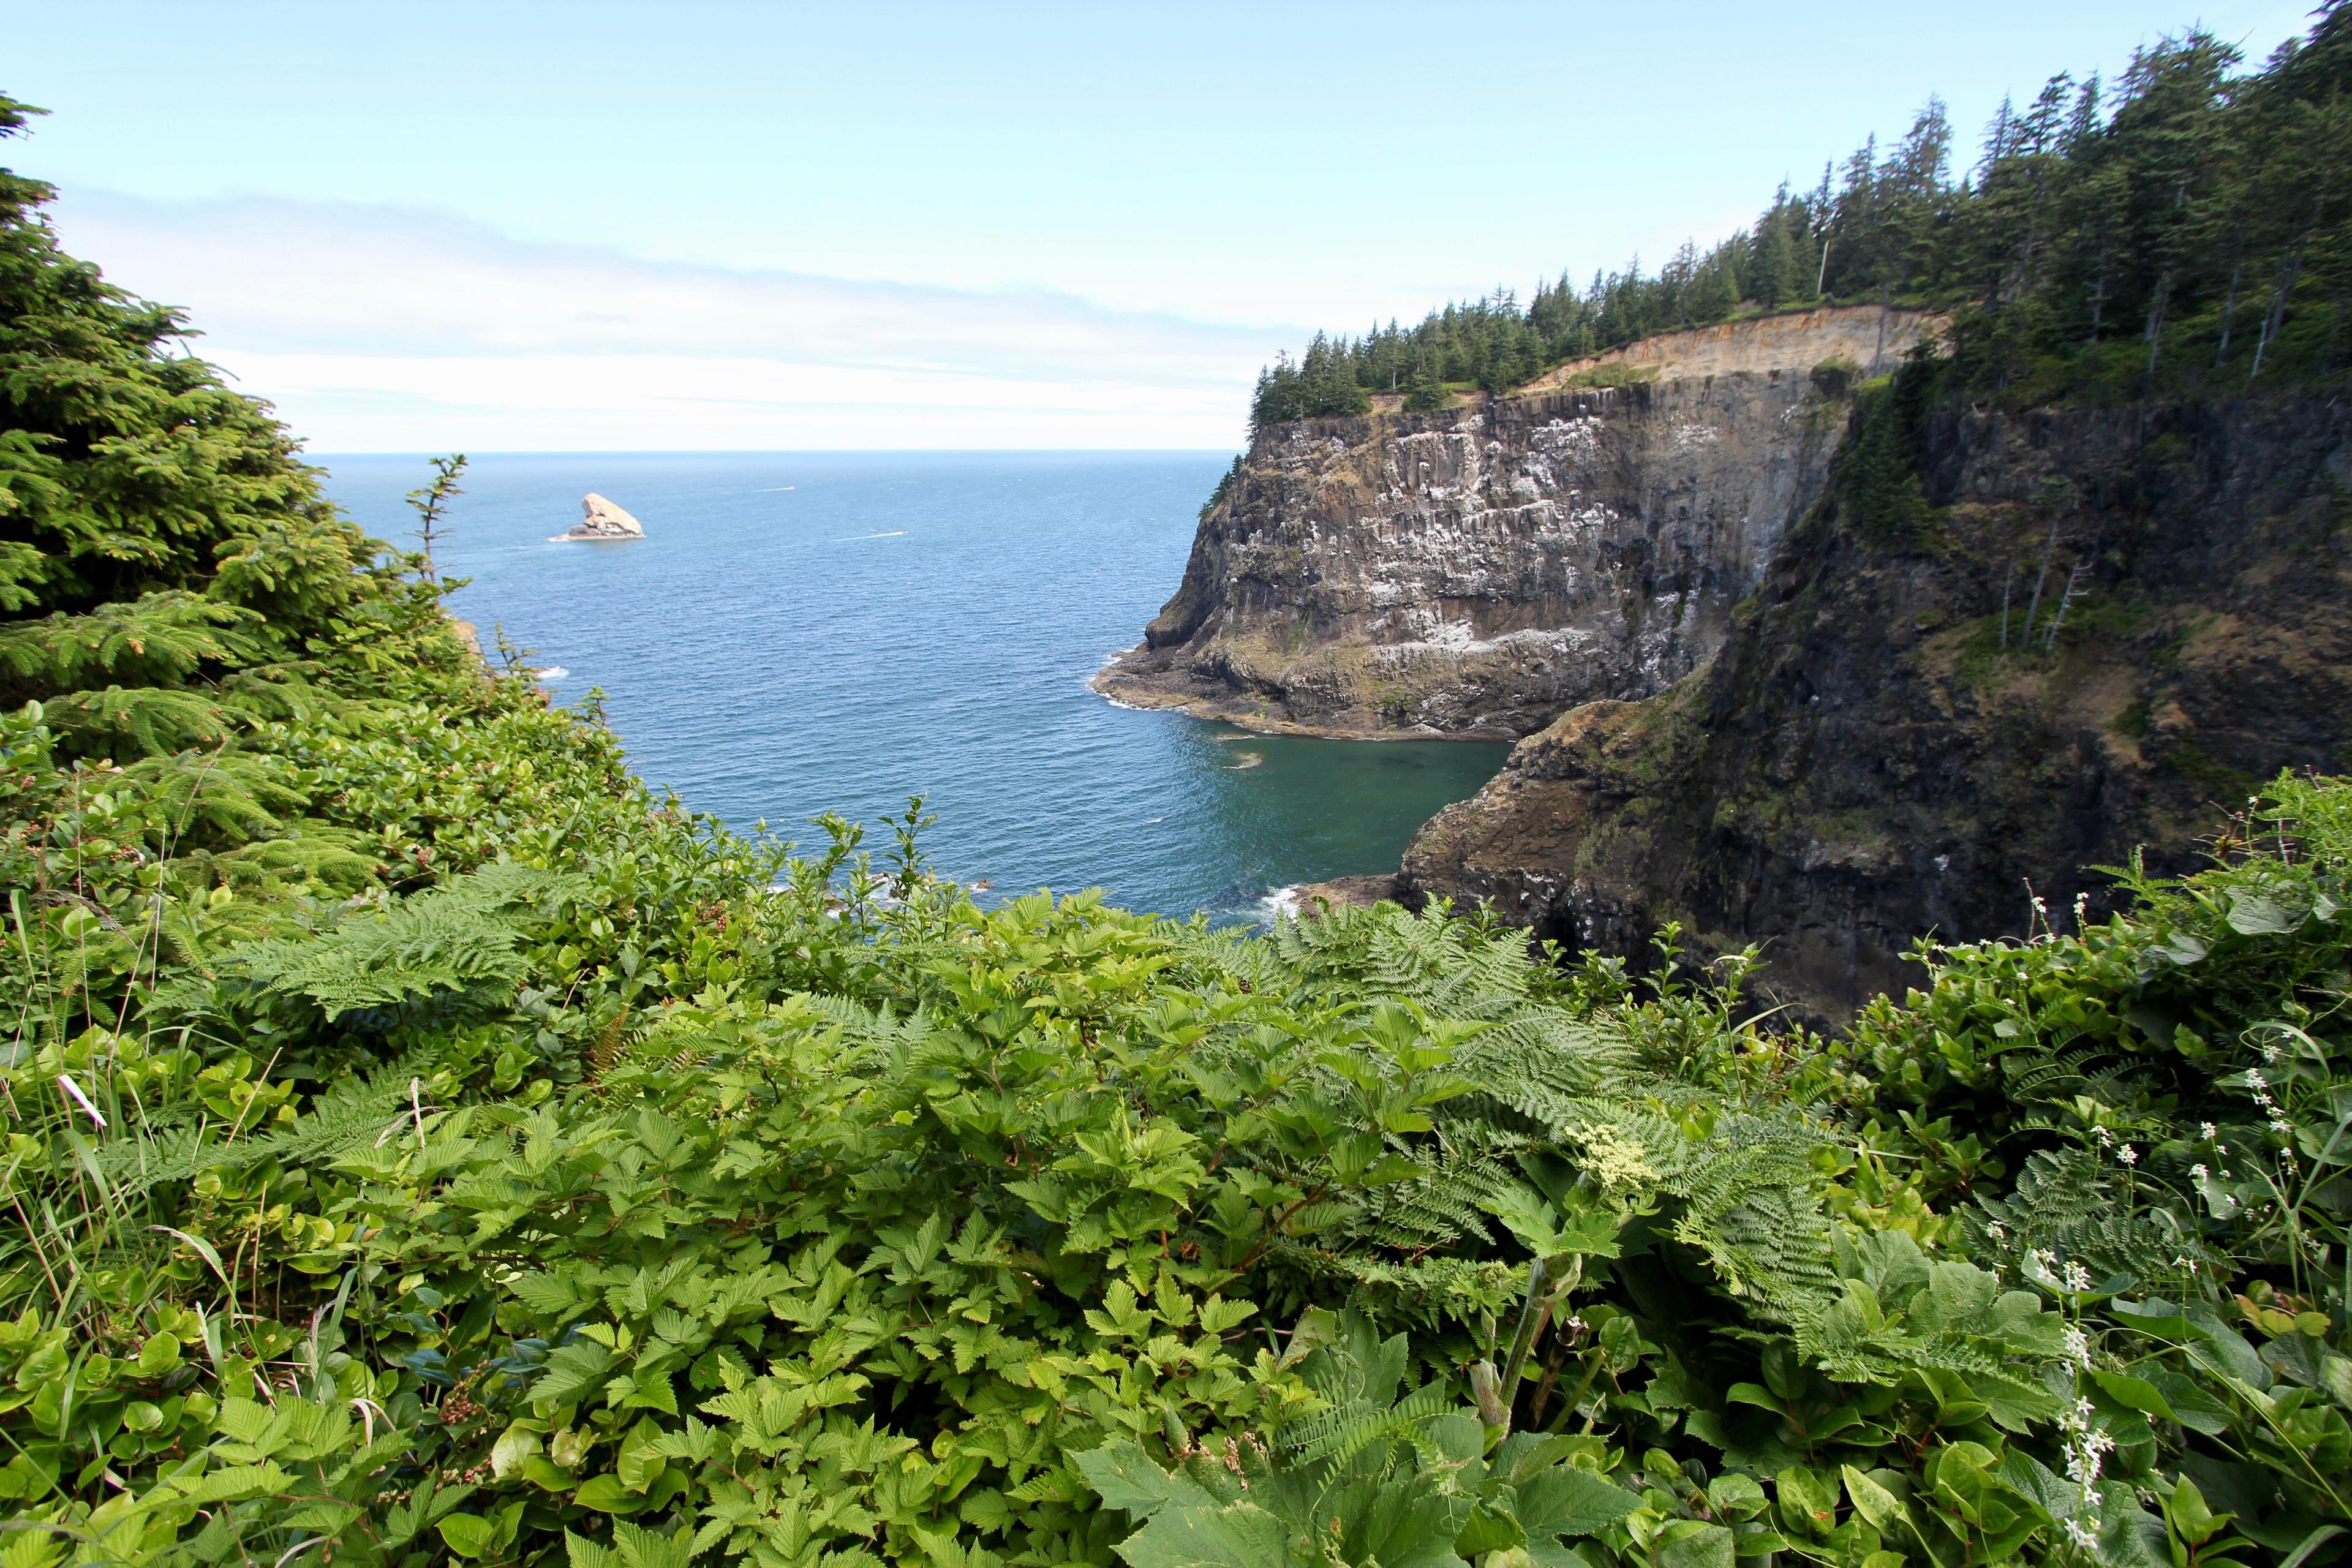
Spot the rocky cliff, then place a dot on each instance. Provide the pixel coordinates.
(1905, 733)
(1478, 570)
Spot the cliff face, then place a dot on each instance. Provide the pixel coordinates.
(1478, 570)
(1865, 763)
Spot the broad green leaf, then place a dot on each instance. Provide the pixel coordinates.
(1124, 1477)
(1871, 1500)
(2133, 1393)
(1565, 1500)
(1687, 1543)
(606, 1494)
(1808, 1499)
(1240, 1536)
(466, 1534)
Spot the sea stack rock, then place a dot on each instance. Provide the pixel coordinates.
(599, 518)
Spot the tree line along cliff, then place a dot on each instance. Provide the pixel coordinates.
(2177, 231)
(1882, 606)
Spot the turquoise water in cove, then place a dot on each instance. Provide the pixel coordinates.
(801, 633)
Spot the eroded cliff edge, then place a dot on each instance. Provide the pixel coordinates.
(1865, 762)
(1478, 570)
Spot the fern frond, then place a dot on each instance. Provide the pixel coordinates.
(458, 938)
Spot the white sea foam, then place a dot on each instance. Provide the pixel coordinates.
(553, 672)
(1280, 903)
(771, 490)
(853, 538)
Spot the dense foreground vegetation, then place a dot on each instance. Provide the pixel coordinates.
(425, 1144)
(2186, 231)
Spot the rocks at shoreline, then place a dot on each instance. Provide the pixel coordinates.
(599, 518)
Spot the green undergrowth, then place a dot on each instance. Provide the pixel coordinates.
(424, 1143)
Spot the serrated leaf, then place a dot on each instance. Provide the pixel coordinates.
(1564, 1501)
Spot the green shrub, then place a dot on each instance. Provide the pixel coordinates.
(425, 1143)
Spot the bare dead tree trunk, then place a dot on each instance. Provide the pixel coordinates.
(2066, 600)
(2275, 316)
(2156, 319)
(2008, 581)
(2034, 606)
(2229, 310)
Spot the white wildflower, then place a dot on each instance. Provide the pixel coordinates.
(2197, 1171)
(2078, 1278)
(2126, 1155)
(2082, 1534)
(2280, 1125)
(2206, 1130)
(2104, 1136)
(1998, 1231)
(2078, 1347)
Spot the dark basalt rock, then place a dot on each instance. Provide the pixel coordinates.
(1861, 765)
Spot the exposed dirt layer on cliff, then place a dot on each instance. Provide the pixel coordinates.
(1871, 340)
(2100, 630)
(1477, 571)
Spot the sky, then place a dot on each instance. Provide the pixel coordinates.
(509, 226)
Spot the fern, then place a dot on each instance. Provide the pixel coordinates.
(357, 1110)
(459, 939)
(2065, 1203)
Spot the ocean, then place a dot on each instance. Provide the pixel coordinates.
(810, 632)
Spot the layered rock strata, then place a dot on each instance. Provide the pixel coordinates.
(1865, 763)
(1477, 570)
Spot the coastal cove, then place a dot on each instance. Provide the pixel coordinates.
(803, 632)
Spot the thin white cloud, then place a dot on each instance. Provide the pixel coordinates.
(373, 328)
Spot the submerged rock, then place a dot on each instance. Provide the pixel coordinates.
(599, 518)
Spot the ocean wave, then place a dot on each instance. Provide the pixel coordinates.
(853, 538)
(1280, 903)
(553, 672)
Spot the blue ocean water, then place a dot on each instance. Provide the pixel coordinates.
(800, 633)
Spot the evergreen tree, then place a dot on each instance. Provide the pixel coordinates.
(2191, 224)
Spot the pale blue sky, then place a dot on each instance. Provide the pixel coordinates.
(590, 225)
